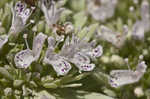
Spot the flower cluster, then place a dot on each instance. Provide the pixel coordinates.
(101, 9)
(142, 26)
(70, 40)
(51, 11)
(116, 38)
(20, 16)
(75, 51)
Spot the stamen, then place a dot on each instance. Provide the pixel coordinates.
(127, 62)
(25, 38)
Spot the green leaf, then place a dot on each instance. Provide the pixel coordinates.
(109, 92)
(40, 26)
(65, 15)
(47, 79)
(119, 24)
(101, 77)
(17, 83)
(5, 73)
(72, 85)
(78, 5)
(50, 85)
(44, 95)
(88, 32)
(83, 33)
(96, 96)
(92, 30)
(80, 19)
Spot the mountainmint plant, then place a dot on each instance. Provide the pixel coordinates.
(74, 49)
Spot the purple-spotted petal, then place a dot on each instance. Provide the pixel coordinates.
(85, 67)
(61, 66)
(24, 58)
(25, 15)
(96, 52)
(19, 8)
(80, 58)
(123, 77)
(20, 16)
(51, 42)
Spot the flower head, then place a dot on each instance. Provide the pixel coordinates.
(80, 52)
(59, 63)
(117, 39)
(142, 26)
(76, 51)
(20, 16)
(101, 9)
(145, 10)
(24, 58)
(138, 30)
(51, 12)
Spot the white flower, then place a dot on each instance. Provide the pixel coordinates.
(138, 91)
(20, 16)
(138, 30)
(82, 62)
(145, 10)
(74, 50)
(123, 77)
(117, 39)
(51, 12)
(95, 52)
(145, 15)
(60, 65)
(101, 9)
(142, 26)
(24, 58)
(50, 54)
(79, 52)
(38, 45)
(70, 48)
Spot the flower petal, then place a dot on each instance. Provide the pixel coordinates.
(24, 58)
(61, 66)
(85, 67)
(96, 52)
(38, 45)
